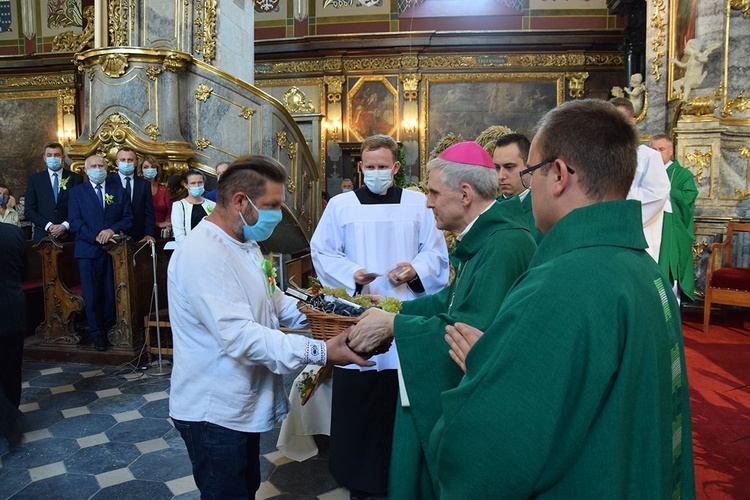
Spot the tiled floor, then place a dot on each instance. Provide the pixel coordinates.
(101, 433)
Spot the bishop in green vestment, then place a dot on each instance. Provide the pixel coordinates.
(676, 253)
(494, 248)
(578, 388)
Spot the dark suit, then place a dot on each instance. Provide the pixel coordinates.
(87, 220)
(12, 312)
(212, 195)
(41, 208)
(142, 205)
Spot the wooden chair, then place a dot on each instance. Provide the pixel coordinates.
(726, 284)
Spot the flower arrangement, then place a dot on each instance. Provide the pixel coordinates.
(108, 199)
(270, 273)
(64, 184)
(209, 209)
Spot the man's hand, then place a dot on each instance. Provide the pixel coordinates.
(374, 328)
(105, 236)
(57, 230)
(340, 354)
(361, 278)
(146, 238)
(461, 338)
(403, 273)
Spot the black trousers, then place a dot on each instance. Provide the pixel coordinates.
(11, 357)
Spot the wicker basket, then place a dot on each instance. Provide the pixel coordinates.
(324, 325)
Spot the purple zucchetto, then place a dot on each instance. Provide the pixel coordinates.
(468, 153)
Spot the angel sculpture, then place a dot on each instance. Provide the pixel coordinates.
(694, 74)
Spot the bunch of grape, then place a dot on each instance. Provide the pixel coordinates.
(390, 304)
(320, 303)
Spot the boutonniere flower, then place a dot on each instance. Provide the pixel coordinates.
(108, 199)
(270, 273)
(64, 184)
(209, 209)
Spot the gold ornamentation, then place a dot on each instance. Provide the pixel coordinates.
(69, 41)
(742, 194)
(118, 23)
(91, 73)
(291, 183)
(411, 85)
(738, 103)
(744, 152)
(60, 80)
(174, 62)
(152, 72)
(113, 65)
(657, 44)
(604, 60)
(202, 144)
(281, 139)
(703, 105)
(334, 83)
(741, 5)
(296, 101)
(203, 92)
(68, 97)
(576, 83)
(205, 22)
(246, 112)
(700, 160)
(698, 248)
(113, 132)
(152, 131)
(292, 150)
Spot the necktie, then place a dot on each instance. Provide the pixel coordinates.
(99, 195)
(128, 189)
(55, 185)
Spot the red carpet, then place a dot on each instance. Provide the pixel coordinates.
(719, 376)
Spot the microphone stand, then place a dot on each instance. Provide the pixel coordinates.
(158, 370)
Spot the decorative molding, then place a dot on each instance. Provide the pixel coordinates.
(291, 184)
(203, 92)
(202, 144)
(69, 41)
(295, 101)
(152, 72)
(113, 65)
(703, 105)
(700, 160)
(246, 112)
(281, 140)
(657, 44)
(152, 131)
(334, 86)
(739, 103)
(174, 62)
(205, 23)
(576, 83)
(741, 5)
(58, 80)
(118, 23)
(67, 98)
(411, 86)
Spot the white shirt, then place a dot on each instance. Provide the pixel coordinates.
(651, 187)
(59, 188)
(124, 182)
(351, 236)
(229, 355)
(182, 215)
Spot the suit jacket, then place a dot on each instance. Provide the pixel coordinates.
(41, 208)
(142, 206)
(12, 299)
(87, 219)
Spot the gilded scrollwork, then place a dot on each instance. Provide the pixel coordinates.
(70, 41)
(739, 103)
(604, 60)
(576, 83)
(203, 92)
(703, 105)
(411, 86)
(152, 131)
(246, 112)
(205, 23)
(118, 23)
(37, 81)
(174, 62)
(113, 65)
(152, 72)
(202, 144)
(67, 98)
(281, 139)
(657, 44)
(295, 101)
(292, 151)
(741, 5)
(113, 131)
(699, 160)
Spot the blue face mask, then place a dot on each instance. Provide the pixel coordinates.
(150, 173)
(3, 200)
(126, 168)
(267, 221)
(197, 191)
(97, 175)
(53, 163)
(346, 190)
(378, 181)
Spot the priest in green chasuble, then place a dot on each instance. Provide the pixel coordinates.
(578, 388)
(494, 248)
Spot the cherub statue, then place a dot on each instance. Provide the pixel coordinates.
(694, 74)
(636, 93)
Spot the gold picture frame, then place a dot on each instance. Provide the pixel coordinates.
(682, 15)
(372, 108)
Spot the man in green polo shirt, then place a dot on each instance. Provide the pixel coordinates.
(494, 247)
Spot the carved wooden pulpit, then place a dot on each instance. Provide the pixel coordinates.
(60, 303)
(132, 292)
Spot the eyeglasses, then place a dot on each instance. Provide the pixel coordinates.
(528, 172)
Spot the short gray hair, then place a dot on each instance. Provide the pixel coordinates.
(482, 179)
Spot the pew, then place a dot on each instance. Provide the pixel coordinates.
(33, 288)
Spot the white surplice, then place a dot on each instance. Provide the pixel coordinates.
(651, 187)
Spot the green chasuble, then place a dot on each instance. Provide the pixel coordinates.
(578, 389)
(488, 259)
(528, 215)
(676, 253)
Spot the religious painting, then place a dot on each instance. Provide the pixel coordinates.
(467, 104)
(9, 21)
(372, 108)
(682, 14)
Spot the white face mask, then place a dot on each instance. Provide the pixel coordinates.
(378, 181)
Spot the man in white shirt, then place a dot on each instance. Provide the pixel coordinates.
(379, 239)
(229, 355)
(650, 186)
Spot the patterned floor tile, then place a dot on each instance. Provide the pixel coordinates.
(34, 394)
(114, 477)
(182, 485)
(12, 480)
(163, 465)
(83, 425)
(45, 471)
(155, 409)
(55, 379)
(41, 419)
(62, 487)
(136, 431)
(38, 453)
(102, 458)
(65, 401)
(29, 437)
(117, 404)
(310, 477)
(93, 440)
(135, 489)
(98, 383)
